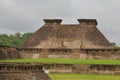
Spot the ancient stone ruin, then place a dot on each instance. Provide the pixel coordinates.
(83, 68)
(56, 40)
(8, 52)
(54, 35)
(78, 41)
(22, 71)
(73, 41)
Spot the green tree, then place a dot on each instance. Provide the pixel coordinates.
(14, 40)
(18, 35)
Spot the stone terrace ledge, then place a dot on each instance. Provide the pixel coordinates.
(19, 67)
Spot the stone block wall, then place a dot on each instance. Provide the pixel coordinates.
(22, 71)
(49, 53)
(7, 52)
(83, 68)
(34, 53)
(97, 69)
(102, 54)
(71, 53)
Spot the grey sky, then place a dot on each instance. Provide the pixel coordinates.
(27, 15)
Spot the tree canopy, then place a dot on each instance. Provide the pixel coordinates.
(14, 40)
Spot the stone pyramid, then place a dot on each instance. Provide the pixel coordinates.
(55, 35)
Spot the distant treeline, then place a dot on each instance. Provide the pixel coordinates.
(14, 40)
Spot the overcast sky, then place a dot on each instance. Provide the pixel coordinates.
(27, 15)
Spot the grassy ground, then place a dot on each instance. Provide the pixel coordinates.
(59, 76)
(65, 61)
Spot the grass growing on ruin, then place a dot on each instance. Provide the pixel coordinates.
(65, 61)
(58, 76)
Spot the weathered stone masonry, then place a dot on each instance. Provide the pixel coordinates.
(54, 35)
(7, 52)
(22, 71)
(78, 41)
(56, 40)
(83, 68)
(71, 53)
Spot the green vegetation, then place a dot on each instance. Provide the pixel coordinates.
(14, 40)
(58, 76)
(65, 61)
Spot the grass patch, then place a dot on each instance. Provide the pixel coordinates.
(65, 61)
(58, 76)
